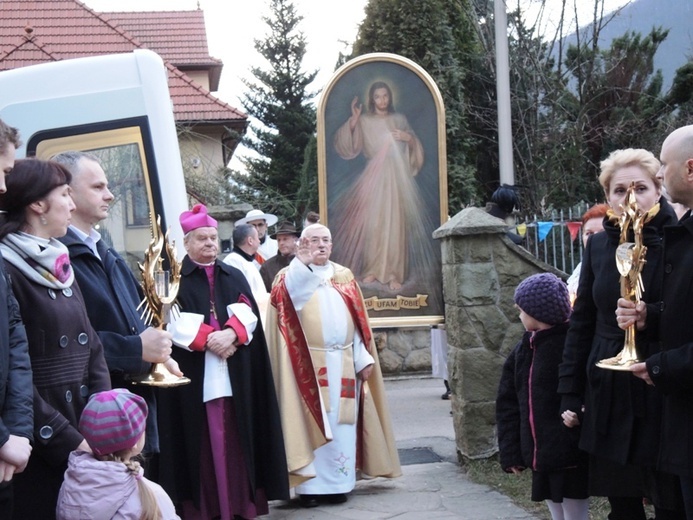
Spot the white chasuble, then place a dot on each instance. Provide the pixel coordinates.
(338, 353)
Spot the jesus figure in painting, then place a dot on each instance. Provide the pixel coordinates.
(379, 224)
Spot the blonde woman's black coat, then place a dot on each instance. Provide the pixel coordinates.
(622, 414)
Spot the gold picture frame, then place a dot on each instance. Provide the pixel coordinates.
(383, 184)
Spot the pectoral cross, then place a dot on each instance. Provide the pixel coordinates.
(212, 309)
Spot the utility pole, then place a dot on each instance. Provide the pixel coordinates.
(505, 144)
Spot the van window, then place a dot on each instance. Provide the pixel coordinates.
(122, 152)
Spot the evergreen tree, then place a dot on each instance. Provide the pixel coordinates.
(439, 36)
(681, 97)
(617, 102)
(307, 195)
(281, 104)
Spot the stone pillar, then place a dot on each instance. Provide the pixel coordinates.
(481, 269)
(226, 216)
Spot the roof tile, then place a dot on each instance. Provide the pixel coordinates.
(178, 36)
(38, 31)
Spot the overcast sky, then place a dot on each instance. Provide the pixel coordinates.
(233, 25)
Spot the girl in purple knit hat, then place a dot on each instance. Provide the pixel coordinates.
(530, 431)
(109, 483)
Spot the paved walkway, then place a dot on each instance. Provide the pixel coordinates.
(433, 486)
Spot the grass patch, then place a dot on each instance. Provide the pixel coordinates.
(519, 489)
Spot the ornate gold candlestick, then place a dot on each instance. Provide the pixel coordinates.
(630, 260)
(160, 291)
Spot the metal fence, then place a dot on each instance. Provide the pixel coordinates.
(557, 247)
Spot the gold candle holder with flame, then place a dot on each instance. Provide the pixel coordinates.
(630, 260)
(160, 291)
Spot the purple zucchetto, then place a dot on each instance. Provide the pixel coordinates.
(113, 421)
(196, 218)
(545, 298)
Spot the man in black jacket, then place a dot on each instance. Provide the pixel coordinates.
(671, 369)
(111, 292)
(16, 390)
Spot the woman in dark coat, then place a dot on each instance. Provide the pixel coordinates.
(66, 354)
(621, 422)
(222, 449)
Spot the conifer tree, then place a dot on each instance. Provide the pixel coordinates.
(279, 100)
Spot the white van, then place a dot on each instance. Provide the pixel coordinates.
(117, 107)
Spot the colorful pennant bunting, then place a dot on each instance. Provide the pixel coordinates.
(574, 228)
(544, 229)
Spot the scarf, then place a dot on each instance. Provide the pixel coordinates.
(652, 232)
(45, 262)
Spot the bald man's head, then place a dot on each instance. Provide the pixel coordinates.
(677, 165)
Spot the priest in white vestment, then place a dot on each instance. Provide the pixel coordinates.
(330, 389)
(245, 245)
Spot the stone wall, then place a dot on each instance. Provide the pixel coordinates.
(404, 351)
(481, 269)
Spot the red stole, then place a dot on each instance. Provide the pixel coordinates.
(292, 332)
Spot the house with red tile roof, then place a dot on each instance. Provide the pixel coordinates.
(40, 31)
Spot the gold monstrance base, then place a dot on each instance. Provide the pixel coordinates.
(617, 365)
(161, 377)
(626, 358)
(620, 362)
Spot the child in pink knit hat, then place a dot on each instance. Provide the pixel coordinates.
(109, 482)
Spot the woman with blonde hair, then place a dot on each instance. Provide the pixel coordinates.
(620, 424)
